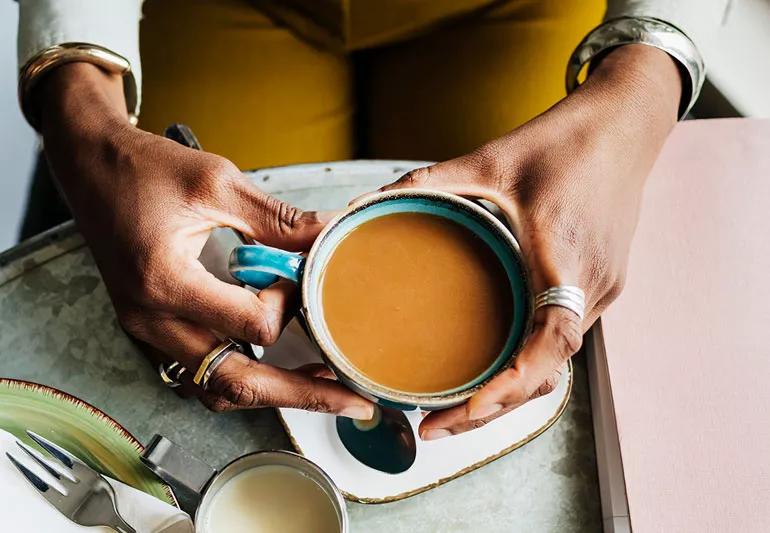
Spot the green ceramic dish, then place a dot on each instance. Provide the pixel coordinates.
(79, 427)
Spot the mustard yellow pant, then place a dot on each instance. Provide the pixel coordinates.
(258, 94)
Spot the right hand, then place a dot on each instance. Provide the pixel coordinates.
(146, 206)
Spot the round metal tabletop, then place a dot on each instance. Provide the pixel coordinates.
(58, 327)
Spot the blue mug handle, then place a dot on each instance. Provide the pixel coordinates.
(260, 266)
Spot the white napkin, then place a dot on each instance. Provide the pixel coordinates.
(22, 508)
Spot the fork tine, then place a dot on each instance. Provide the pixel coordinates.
(61, 455)
(50, 465)
(39, 460)
(35, 481)
(49, 492)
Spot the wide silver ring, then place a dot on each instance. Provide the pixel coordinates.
(170, 373)
(567, 296)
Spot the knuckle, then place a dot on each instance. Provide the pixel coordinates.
(416, 177)
(548, 386)
(240, 393)
(480, 423)
(284, 218)
(516, 389)
(312, 402)
(262, 330)
(216, 169)
(216, 404)
(567, 336)
(599, 264)
(212, 180)
(289, 217)
(615, 288)
(488, 160)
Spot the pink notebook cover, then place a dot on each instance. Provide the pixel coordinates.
(688, 341)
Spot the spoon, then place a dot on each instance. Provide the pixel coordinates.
(385, 443)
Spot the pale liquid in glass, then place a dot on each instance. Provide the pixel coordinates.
(270, 499)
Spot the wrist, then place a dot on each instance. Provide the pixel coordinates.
(642, 79)
(85, 130)
(80, 101)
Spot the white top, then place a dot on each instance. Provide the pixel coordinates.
(114, 24)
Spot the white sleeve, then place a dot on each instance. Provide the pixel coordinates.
(111, 24)
(698, 19)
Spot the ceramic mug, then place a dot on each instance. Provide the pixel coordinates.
(199, 483)
(259, 266)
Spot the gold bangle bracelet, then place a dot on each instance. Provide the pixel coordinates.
(50, 58)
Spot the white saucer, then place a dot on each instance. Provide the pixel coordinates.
(315, 436)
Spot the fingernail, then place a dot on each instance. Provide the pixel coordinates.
(359, 412)
(484, 411)
(435, 434)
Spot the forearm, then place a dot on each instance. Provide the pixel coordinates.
(83, 113)
(627, 106)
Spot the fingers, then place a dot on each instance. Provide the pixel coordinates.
(448, 176)
(232, 310)
(553, 341)
(316, 370)
(167, 339)
(273, 222)
(557, 335)
(240, 383)
(461, 176)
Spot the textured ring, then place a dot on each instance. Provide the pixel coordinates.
(567, 296)
(213, 359)
(171, 373)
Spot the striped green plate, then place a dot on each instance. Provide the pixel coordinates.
(80, 428)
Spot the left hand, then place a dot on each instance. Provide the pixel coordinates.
(570, 183)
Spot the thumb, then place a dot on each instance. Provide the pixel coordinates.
(555, 338)
(453, 176)
(273, 222)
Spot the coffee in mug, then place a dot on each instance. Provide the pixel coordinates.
(416, 302)
(414, 298)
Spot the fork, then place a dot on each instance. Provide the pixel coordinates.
(89, 498)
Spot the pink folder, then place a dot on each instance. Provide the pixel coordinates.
(680, 364)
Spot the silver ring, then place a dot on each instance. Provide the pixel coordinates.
(567, 296)
(170, 373)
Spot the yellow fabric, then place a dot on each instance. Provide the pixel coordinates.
(264, 87)
(355, 24)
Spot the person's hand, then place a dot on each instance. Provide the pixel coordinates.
(146, 206)
(570, 183)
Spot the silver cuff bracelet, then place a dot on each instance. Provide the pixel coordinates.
(648, 31)
(50, 58)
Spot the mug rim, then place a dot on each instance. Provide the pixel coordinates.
(337, 500)
(340, 364)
